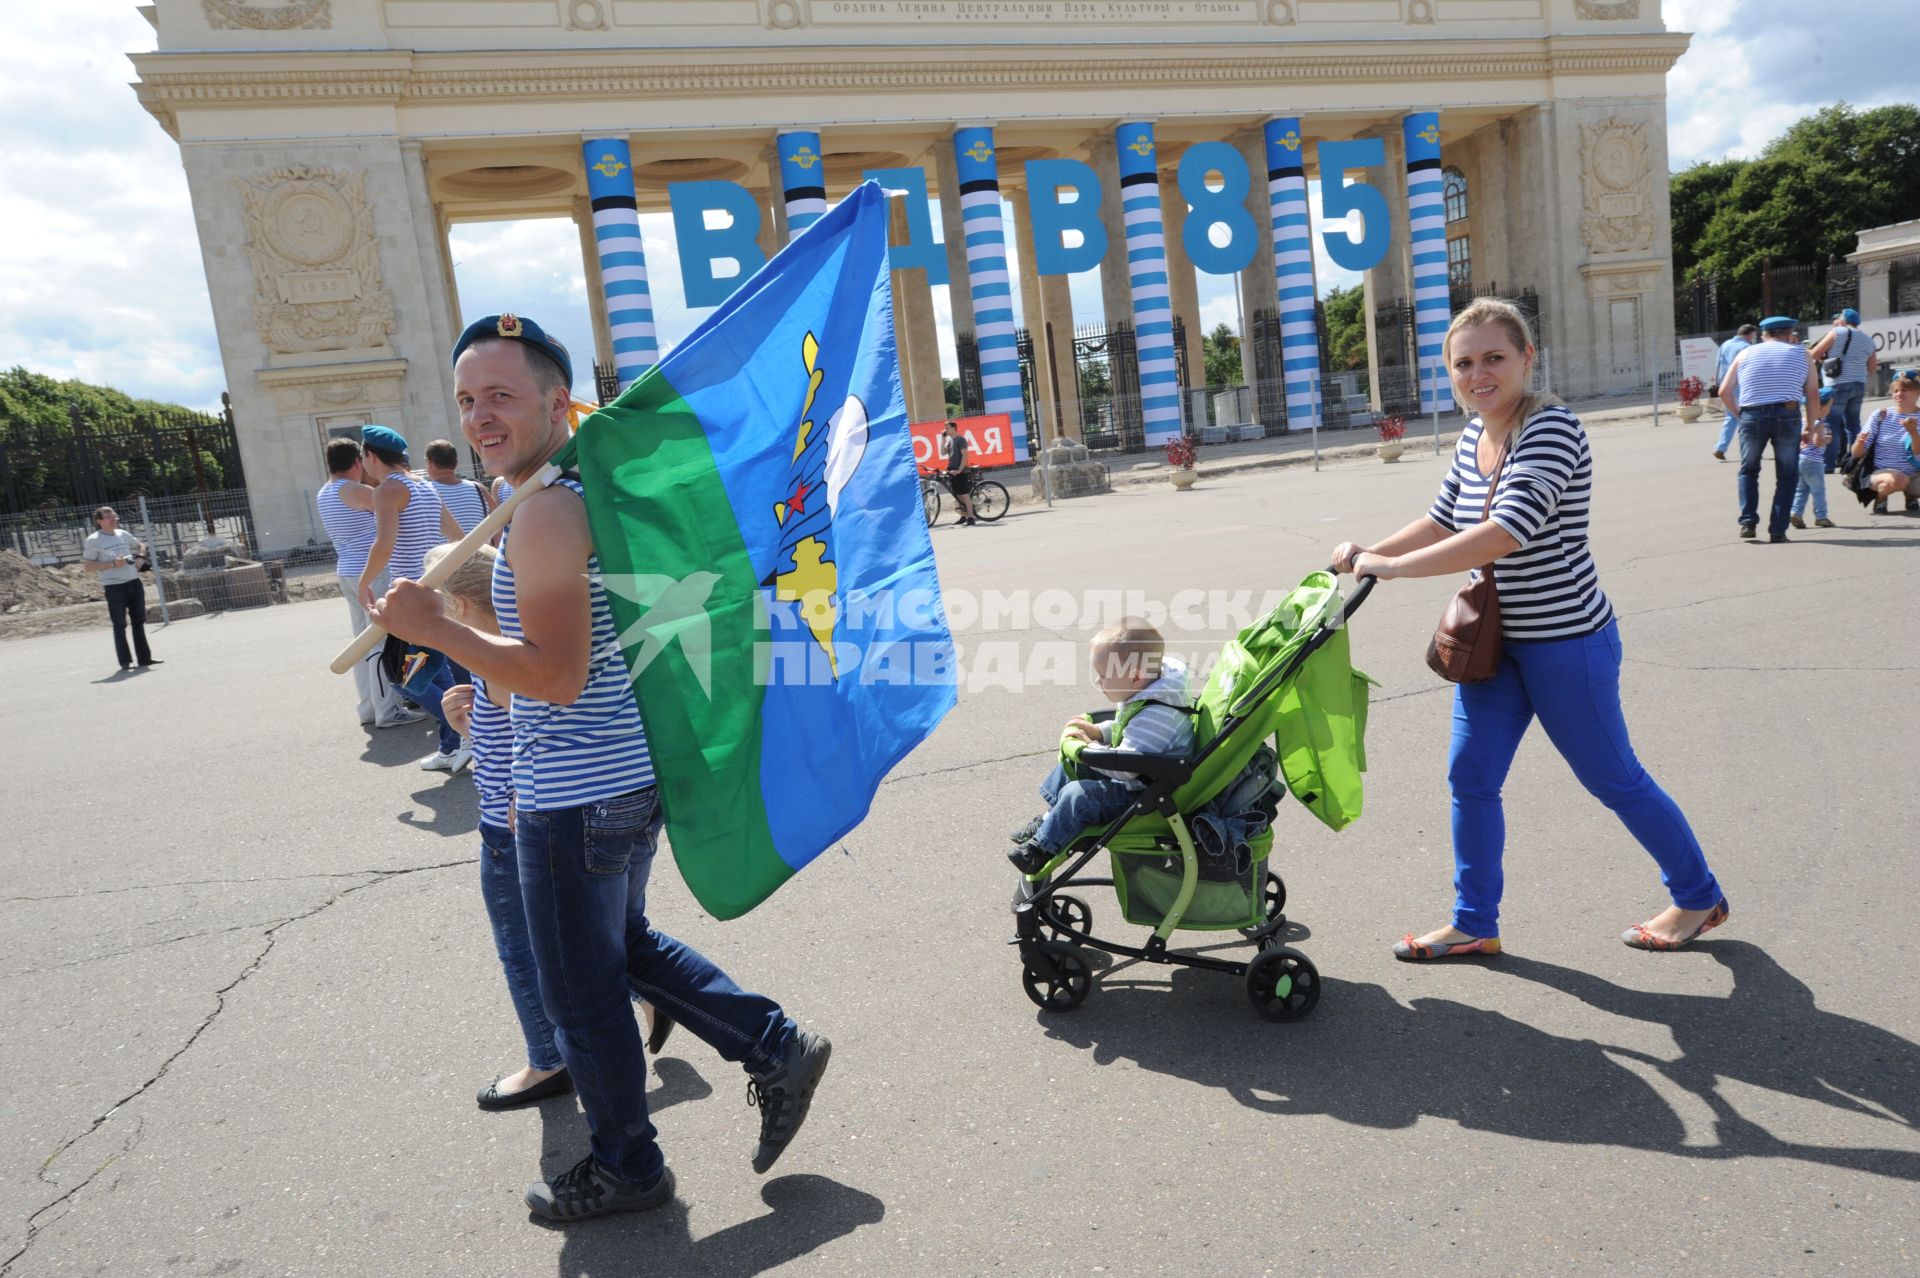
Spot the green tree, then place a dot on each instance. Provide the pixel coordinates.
(950, 391)
(1346, 312)
(1803, 201)
(1221, 351)
(126, 440)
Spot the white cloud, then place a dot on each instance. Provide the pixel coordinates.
(1754, 68)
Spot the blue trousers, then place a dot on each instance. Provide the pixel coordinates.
(1573, 687)
(1778, 426)
(1072, 806)
(1843, 418)
(500, 887)
(1813, 483)
(449, 675)
(1731, 425)
(583, 878)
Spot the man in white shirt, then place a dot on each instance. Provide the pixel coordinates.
(110, 551)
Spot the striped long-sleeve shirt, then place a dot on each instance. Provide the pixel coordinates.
(1549, 587)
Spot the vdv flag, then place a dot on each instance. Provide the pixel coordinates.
(756, 512)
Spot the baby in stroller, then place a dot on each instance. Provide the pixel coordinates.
(1131, 667)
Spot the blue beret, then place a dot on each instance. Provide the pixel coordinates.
(1850, 315)
(518, 329)
(1774, 323)
(385, 438)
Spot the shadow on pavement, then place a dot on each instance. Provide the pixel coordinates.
(452, 804)
(1365, 1058)
(806, 1211)
(400, 745)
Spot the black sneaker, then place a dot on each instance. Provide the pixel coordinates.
(1029, 857)
(786, 1094)
(587, 1191)
(1880, 508)
(1026, 832)
(1777, 539)
(1747, 532)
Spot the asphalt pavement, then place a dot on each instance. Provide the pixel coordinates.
(249, 988)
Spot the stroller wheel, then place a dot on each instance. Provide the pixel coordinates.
(1274, 895)
(1061, 912)
(1283, 984)
(1058, 977)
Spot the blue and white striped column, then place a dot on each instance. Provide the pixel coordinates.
(623, 257)
(1427, 234)
(987, 277)
(1293, 271)
(803, 180)
(1147, 274)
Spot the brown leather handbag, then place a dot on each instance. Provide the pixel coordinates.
(1466, 645)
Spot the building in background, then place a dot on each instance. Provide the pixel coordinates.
(1509, 146)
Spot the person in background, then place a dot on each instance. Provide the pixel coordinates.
(110, 551)
(1846, 343)
(1890, 441)
(346, 512)
(1772, 387)
(1747, 336)
(467, 501)
(409, 520)
(1814, 441)
(957, 481)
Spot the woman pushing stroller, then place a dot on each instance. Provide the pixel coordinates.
(1561, 660)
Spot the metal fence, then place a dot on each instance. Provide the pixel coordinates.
(170, 526)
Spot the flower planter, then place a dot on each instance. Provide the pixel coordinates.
(1391, 451)
(1691, 412)
(1182, 476)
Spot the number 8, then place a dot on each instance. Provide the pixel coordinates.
(1227, 205)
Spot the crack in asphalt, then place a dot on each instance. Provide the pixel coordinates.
(134, 949)
(154, 887)
(271, 937)
(977, 763)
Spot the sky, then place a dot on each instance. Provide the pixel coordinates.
(101, 276)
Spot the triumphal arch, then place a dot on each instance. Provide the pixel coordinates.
(1512, 146)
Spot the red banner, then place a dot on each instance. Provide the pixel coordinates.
(989, 441)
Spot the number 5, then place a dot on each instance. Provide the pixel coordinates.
(1338, 198)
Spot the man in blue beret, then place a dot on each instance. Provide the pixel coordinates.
(587, 815)
(1772, 386)
(1847, 356)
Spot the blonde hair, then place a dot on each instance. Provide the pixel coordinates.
(472, 582)
(1492, 310)
(1135, 641)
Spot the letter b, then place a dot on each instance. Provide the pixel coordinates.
(1052, 219)
(701, 245)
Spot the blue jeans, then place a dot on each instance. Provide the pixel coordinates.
(1778, 425)
(429, 701)
(1726, 433)
(583, 877)
(1573, 687)
(1072, 806)
(1843, 417)
(500, 888)
(1813, 483)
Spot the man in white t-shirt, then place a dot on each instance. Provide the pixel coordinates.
(111, 551)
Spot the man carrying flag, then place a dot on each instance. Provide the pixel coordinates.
(588, 813)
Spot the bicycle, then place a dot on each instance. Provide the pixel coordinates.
(990, 497)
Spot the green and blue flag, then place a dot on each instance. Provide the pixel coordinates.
(756, 511)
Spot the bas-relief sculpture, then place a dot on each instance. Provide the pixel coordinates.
(266, 15)
(1606, 10)
(1617, 185)
(316, 265)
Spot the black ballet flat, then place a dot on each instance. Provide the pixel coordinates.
(495, 1099)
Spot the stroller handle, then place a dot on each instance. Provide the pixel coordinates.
(1363, 587)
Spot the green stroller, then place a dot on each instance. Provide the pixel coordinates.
(1287, 677)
